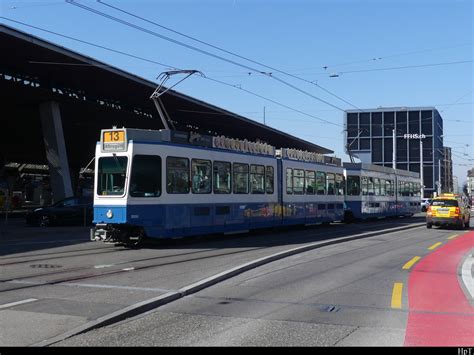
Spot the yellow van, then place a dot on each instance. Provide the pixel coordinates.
(448, 209)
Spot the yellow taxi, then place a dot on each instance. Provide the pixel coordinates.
(448, 209)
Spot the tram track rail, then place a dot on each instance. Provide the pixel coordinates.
(31, 284)
(95, 271)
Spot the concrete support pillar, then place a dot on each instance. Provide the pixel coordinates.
(55, 150)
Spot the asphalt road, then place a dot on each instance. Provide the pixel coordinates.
(333, 295)
(340, 295)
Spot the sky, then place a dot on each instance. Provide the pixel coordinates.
(339, 54)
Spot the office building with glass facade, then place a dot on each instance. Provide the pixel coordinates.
(369, 137)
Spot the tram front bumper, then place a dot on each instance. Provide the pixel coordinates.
(100, 234)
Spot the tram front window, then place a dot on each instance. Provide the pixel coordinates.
(111, 175)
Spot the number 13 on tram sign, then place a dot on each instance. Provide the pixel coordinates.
(113, 140)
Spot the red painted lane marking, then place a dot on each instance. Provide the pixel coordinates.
(439, 311)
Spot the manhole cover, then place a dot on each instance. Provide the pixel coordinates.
(45, 266)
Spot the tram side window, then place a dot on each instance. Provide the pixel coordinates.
(331, 182)
(289, 181)
(364, 184)
(269, 179)
(201, 176)
(241, 178)
(145, 180)
(404, 188)
(339, 185)
(371, 187)
(310, 186)
(418, 190)
(177, 175)
(222, 177)
(257, 179)
(111, 175)
(298, 182)
(353, 185)
(320, 183)
(377, 186)
(389, 187)
(383, 185)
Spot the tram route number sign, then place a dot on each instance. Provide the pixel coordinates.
(114, 140)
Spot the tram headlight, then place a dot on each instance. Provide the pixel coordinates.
(109, 214)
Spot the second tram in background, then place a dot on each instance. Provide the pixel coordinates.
(168, 184)
(375, 192)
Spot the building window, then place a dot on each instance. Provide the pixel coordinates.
(352, 124)
(377, 150)
(364, 144)
(401, 123)
(414, 122)
(401, 149)
(427, 122)
(388, 149)
(376, 124)
(414, 146)
(388, 125)
(364, 124)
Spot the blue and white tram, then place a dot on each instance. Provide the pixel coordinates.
(374, 191)
(157, 184)
(167, 184)
(313, 191)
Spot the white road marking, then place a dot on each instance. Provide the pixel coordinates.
(117, 287)
(8, 305)
(70, 284)
(21, 282)
(103, 266)
(466, 274)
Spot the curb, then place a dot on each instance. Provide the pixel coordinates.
(147, 305)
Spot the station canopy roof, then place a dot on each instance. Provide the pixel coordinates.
(92, 96)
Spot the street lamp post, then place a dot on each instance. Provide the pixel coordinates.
(421, 170)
